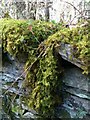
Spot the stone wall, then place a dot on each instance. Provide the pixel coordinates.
(46, 9)
(26, 9)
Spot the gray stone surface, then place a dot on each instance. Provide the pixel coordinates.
(66, 51)
(73, 77)
(76, 91)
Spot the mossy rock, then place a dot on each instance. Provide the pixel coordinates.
(43, 71)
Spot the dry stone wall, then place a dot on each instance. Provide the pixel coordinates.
(69, 11)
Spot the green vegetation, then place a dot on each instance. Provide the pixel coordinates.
(23, 36)
(44, 71)
(43, 79)
(79, 39)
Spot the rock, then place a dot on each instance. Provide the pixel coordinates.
(76, 92)
(66, 51)
(73, 77)
(29, 115)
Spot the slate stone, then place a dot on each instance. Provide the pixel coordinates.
(73, 77)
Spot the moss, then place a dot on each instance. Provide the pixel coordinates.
(43, 81)
(24, 35)
(79, 39)
(44, 73)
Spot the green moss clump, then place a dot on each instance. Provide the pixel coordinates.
(43, 79)
(79, 39)
(24, 35)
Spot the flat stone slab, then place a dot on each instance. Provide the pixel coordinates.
(76, 88)
(66, 51)
(73, 77)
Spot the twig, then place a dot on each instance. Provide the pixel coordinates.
(16, 80)
(75, 8)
